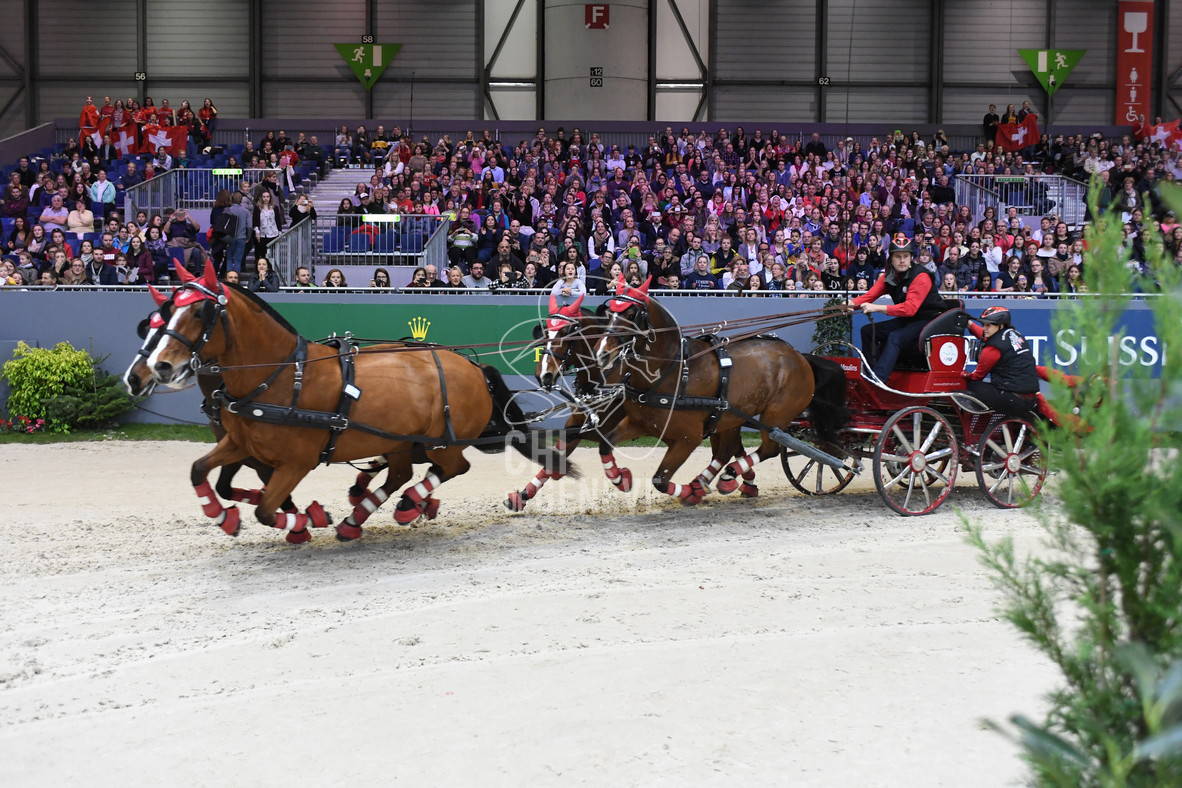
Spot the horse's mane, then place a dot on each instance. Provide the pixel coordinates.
(266, 308)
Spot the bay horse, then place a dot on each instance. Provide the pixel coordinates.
(768, 380)
(139, 378)
(289, 403)
(565, 344)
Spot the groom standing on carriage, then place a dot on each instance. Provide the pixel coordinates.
(916, 300)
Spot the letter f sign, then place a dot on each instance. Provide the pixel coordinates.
(596, 16)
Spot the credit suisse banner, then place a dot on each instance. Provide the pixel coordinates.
(1134, 61)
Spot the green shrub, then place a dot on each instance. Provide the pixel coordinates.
(1104, 602)
(64, 386)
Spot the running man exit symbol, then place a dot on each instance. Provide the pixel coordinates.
(368, 61)
(596, 16)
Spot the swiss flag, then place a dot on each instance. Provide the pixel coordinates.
(1015, 136)
(1168, 134)
(172, 138)
(96, 132)
(125, 141)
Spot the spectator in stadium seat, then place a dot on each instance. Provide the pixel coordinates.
(699, 277)
(265, 279)
(335, 278)
(302, 210)
(303, 278)
(16, 202)
(107, 151)
(163, 159)
(55, 215)
(476, 278)
(80, 220)
(102, 190)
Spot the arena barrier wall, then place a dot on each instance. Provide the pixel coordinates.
(104, 323)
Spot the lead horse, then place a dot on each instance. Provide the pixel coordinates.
(293, 404)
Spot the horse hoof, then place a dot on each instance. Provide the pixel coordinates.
(298, 537)
(356, 493)
(623, 482)
(748, 490)
(406, 516)
(347, 533)
(317, 515)
(233, 521)
(431, 509)
(727, 485)
(514, 502)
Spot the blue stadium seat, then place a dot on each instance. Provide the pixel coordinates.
(6, 226)
(386, 243)
(358, 242)
(177, 254)
(94, 238)
(334, 240)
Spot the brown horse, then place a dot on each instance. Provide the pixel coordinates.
(284, 400)
(769, 379)
(139, 378)
(565, 344)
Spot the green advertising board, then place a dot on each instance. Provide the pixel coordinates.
(445, 324)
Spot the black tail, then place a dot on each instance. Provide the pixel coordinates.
(508, 421)
(827, 411)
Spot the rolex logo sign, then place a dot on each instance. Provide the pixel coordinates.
(419, 327)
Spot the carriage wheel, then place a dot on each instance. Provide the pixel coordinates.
(915, 461)
(1011, 468)
(812, 477)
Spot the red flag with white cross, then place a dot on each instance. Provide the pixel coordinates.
(1015, 136)
(171, 138)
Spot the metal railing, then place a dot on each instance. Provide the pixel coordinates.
(292, 249)
(185, 188)
(1031, 195)
(372, 239)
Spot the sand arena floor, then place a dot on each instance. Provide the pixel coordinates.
(596, 639)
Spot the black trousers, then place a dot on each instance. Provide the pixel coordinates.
(1005, 402)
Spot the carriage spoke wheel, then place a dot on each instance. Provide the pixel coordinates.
(915, 461)
(1011, 468)
(812, 477)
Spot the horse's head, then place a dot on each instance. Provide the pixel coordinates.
(627, 314)
(177, 332)
(562, 324)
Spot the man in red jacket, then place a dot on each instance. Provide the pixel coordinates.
(916, 300)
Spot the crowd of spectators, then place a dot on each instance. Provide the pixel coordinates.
(63, 219)
(756, 211)
(729, 210)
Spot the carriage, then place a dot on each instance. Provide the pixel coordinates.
(920, 429)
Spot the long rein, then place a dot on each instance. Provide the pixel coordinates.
(755, 326)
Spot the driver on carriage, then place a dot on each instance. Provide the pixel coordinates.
(916, 300)
(1007, 359)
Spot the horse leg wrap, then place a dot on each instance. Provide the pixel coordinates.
(430, 508)
(749, 475)
(210, 505)
(296, 526)
(407, 511)
(748, 490)
(360, 487)
(535, 484)
(317, 517)
(252, 497)
(620, 477)
(367, 506)
(711, 471)
(229, 520)
(422, 490)
(727, 483)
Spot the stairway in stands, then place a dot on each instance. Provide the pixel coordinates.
(336, 185)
